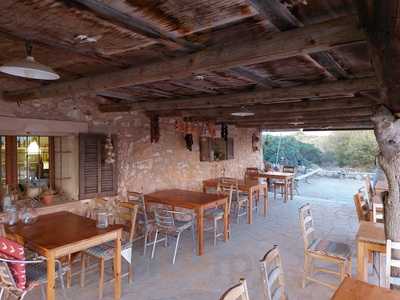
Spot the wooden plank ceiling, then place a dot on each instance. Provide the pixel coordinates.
(295, 64)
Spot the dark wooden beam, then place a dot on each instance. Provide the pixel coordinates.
(348, 123)
(257, 96)
(314, 127)
(254, 76)
(309, 39)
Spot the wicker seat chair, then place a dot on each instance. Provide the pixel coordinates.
(272, 275)
(237, 292)
(126, 215)
(323, 250)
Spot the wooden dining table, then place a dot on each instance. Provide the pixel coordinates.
(251, 186)
(63, 233)
(353, 289)
(370, 238)
(287, 178)
(196, 201)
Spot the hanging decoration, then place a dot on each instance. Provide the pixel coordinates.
(109, 149)
(224, 131)
(255, 142)
(154, 129)
(189, 141)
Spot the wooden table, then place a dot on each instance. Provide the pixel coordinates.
(352, 289)
(63, 233)
(370, 238)
(287, 178)
(250, 186)
(196, 201)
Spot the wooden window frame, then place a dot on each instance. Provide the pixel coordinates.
(100, 148)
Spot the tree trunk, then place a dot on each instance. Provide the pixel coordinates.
(387, 132)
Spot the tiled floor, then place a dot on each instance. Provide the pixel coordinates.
(207, 277)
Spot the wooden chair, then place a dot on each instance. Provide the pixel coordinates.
(392, 280)
(237, 292)
(363, 212)
(377, 212)
(143, 219)
(324, 250)
(127, 213)
(217, 214)
(272, 275)
(279, 185)
(239, 198)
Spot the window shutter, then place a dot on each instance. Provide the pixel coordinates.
(96, 178)
(230, 149)
(205, 145)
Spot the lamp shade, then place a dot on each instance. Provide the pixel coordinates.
(33, 148)
(29, 68)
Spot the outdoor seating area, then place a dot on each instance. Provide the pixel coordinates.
(236, 149)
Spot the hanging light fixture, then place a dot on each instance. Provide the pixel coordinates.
(29, 68)
(109, 149)
(244, 112)
(33, 148)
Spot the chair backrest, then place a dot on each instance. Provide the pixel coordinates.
(272, 275)
(306, 225)
(369, 189)
(230, 190)
(390, 262)
(361, 207)
(288, 169)
(138, 199)
(237, 292)
(127, 214)
(14, 251)
(164, 218)
(377, 212)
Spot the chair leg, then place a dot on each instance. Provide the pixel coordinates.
(42, 292)
(154, 244)
(306, 270)
(215, 231)
(342, 267)
(349, 267)
(146, 234)
(176, 247)
(274, 192)
(1, 292)
(69, 272)
(130, 273)
(101, 279)
(194, 237)
(166, 240)
(83, 269)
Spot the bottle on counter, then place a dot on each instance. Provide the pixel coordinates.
(7, 199)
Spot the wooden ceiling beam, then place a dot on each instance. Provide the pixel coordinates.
(309, 39)
(253, 75)
(312, 127)
(256, 96)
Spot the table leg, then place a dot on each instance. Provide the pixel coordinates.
(117, 267)
(51, 267)
(286, 190)
(226, 221)
(250, 207)
(200, 231)
(291, 188)
(362, 261)
(265, 199)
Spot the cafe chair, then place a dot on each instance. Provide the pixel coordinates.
(322, 250)
(19, 276)
(362, 208)
(167, 224)
(126, 215)
(279, 185)
(392, 279)
(217, 214)
(377, 212)
(272, 275)
(144, 220)
(237, 292)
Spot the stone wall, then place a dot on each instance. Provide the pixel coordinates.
(142, 165)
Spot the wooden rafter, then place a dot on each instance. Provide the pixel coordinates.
(309, 39)
(257, 96)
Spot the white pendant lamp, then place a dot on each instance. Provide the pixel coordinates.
(29, 68)
(243, 112)
(33, 148)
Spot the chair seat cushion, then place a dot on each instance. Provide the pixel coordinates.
(36, 274)
(330, 248)
(214, 212)
(106, 250)
(183, 225)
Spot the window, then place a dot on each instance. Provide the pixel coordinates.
(33, 165)
(96, 178)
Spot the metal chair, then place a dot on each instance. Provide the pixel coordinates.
(237, 292)
(126, 215)
(35, 275)
(319, 249)
(167, 224)
(143, 219)
(272, 275)
(217, 214)
(392, 263)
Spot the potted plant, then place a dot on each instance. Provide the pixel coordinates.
(47, 196)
